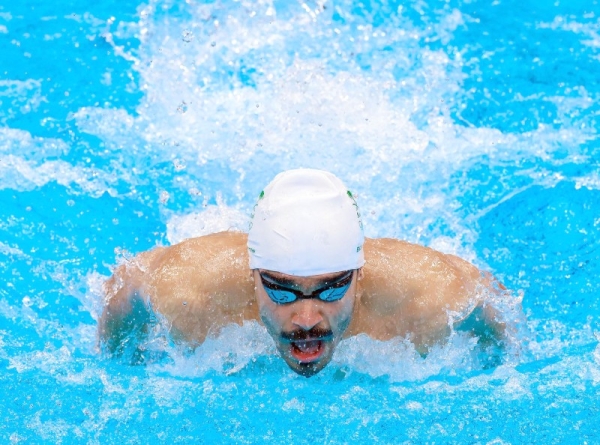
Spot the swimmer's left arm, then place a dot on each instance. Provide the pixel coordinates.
(485, 323)
(483, 320)
(417, 292)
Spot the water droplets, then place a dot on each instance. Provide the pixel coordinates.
(182, 107)
(164, 197)
(187, 36)
(179, 165)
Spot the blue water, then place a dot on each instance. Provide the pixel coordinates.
(467, 126)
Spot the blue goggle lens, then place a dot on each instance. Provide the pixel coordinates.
(280, 296)
(283, 295)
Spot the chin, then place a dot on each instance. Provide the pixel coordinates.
(307, 369)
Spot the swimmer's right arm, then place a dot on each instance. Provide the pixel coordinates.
(127, 310)
(198, 285)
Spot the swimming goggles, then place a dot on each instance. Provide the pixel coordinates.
(331, 292)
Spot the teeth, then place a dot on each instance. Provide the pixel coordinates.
(308, 346)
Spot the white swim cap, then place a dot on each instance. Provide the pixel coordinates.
(306, 222)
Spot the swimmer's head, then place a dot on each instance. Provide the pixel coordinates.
(305, 223)
(307, 330)
(306, 251)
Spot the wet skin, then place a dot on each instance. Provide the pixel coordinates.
(306, 331)
(203, 284)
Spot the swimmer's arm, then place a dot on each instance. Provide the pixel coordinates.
(195, 287)
(127, 311)
(483, 320)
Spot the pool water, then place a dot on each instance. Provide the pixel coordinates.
(468, 126)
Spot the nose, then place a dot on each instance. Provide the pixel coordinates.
(307, 315)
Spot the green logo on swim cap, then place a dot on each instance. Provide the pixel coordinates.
(355, 204)
(261, 196)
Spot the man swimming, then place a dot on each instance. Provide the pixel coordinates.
(308, 274)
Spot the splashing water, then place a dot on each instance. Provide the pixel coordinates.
(467, 127)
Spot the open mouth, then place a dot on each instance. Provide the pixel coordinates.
(306, 351)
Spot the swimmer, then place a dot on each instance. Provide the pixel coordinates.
(308, 274)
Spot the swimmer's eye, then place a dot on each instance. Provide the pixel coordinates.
(336, 291)
(281, 296)
(331, 292)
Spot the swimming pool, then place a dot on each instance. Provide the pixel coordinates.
(467, 126)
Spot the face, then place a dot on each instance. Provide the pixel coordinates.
(307, 330)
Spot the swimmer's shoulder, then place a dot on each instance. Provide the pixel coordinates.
(413, 261)
(202, 266)
(198, 286)
(390, 255)
(207, 247)
(202, 284)
(414, 282)
(394, 276)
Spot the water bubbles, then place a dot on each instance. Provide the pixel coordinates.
(164, 197)
(16, 438)
(123, 255)
(214, 219)
(182, 107)
(294, 405)
(187, 36)
(376, 124)
(179, 165)
(228, 352)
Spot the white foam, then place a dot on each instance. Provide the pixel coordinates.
(5, 249)
(214, 219)
(590, 31)
(590, 181)
(228, 352)
(322, 94)
(309, 103)
(21, 143)
(23, 165)
(49, 430)
(25, 95)
(402, 361)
